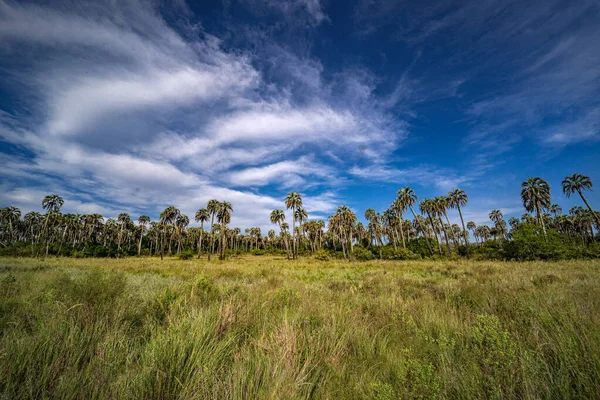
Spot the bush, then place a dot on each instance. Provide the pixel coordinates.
(321, 255)
(186, 255)
(362, 254)
(419, 247)
(389, 253)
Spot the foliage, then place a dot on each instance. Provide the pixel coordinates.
(389, 253)
(321, 255)
(186, 255)
(361, 254)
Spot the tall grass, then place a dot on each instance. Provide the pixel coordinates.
(260, 327)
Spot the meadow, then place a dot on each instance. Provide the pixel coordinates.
(265, 327)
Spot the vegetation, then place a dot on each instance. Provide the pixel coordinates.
(565, 236)
(262, 327)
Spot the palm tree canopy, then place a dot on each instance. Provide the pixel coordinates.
(52, 202)
(535, 192)
(277, 216)
(407, 196)
(293, 200)
(576, 183)
(457, 198)
(201, 215)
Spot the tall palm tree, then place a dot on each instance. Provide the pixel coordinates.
(300, 215)
(202, 215)
(52, 204)
(407, 197)
(224, 217)
(440, 205)
(278, 217)
(577, 183)
(535, 194)
(167, 217)
(427, 206)
(213, 207)
(181, 223)
(11, 215)
(458, 198)
(32, 222)
(143, 221)
(293, 200)
(123, 220)
(400, 208)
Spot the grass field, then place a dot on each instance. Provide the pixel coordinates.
(259, 327)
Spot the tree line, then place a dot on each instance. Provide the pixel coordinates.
(430, 230)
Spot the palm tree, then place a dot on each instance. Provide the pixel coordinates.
(11, 216)
(498, 218)
(52, 204)
(458, 198)
(555, 210)
(202, 215)
(32, 222)
(577, 183)
(293, 200)
(212, 207)
(440, 205)
(471, 226)
(181, 223)
(143, 221)
(535, 194)
(278, 217)
(407, 197)
(427, 206)
(300, 215)
(224, 217)
(167, 217)
(123, 220)
(400, 208)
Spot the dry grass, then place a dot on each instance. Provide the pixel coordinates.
(261, 327)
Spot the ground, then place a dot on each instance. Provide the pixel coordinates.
(262, 327)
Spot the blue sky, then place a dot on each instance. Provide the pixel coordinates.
(136, 105)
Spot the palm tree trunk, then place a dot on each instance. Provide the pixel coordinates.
(212, 236)
(445, 235)
(462, 221)
(162, 245)
(401, 222)
(200, 241)
(223, 242)
(594, 213)
(140, 243)
(541, 219)
(62, 239)
(31, 240)
(450, 226)
(293, 233)
(435, 234)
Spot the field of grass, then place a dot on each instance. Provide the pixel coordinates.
(259, 327)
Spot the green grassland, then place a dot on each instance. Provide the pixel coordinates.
(268, 328)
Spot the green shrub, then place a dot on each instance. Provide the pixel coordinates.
(389, 253)
(362, 254)
(186, 255)
(321, 255)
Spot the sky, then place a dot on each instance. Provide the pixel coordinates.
(132, 106)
